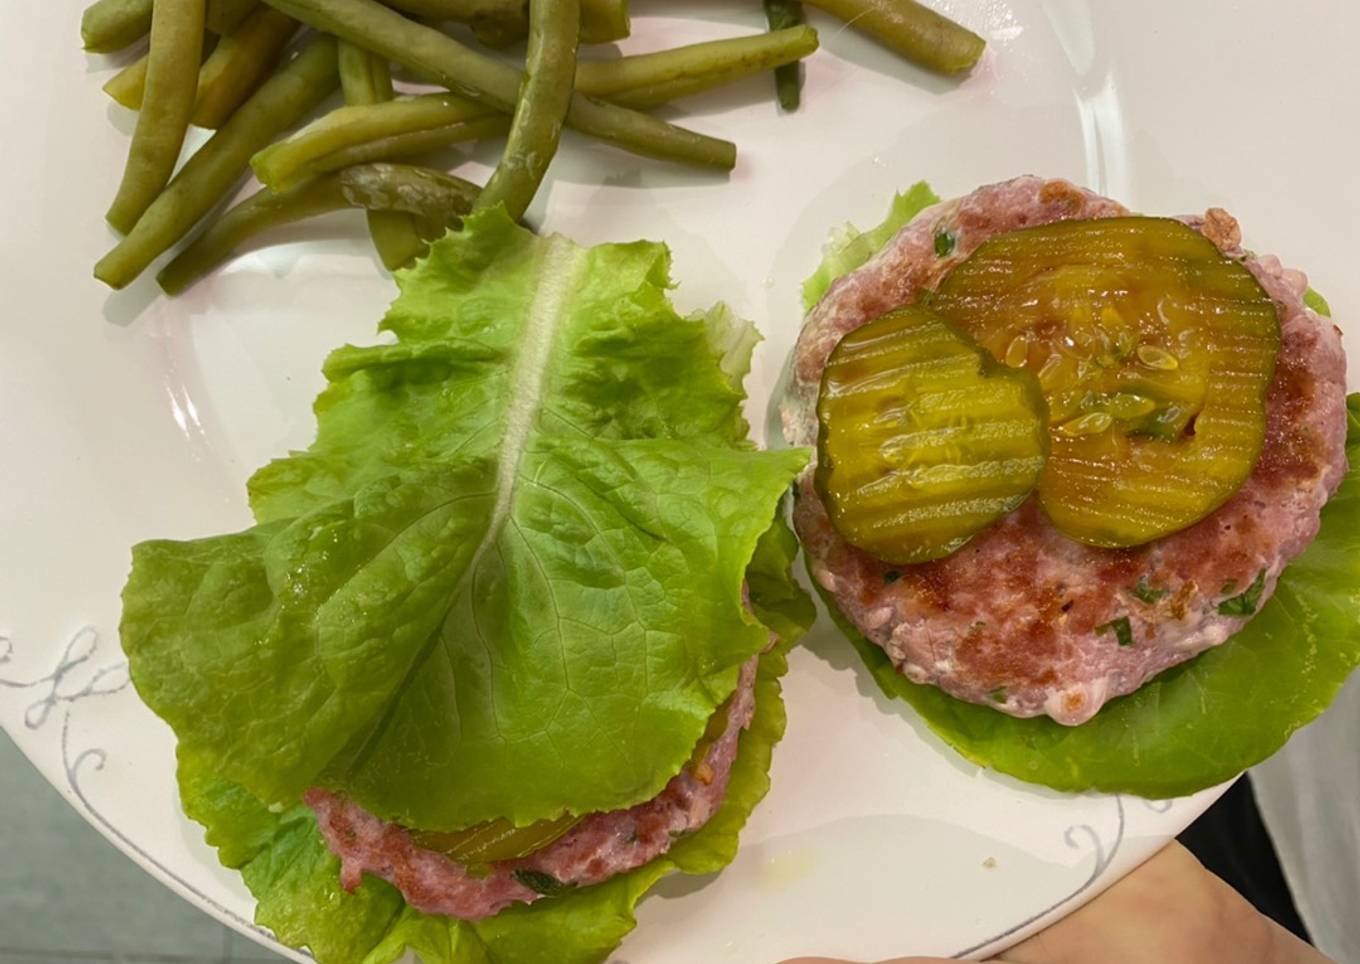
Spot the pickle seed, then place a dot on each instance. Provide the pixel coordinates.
(1158, 358)
(1048, 374)
(1089, 424)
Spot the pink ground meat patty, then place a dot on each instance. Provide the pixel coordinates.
(1013, 619)
(601, 846)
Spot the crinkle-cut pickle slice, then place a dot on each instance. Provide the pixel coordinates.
(495, 840)
(1154, 352)
(924, 440)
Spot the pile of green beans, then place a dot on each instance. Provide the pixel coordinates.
(227, 66)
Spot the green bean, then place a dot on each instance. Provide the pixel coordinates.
(128, 85)
(500, 22)
(648, 80)
(485, 80)
(395, 238)
(224, 16)
(241, 62)
(281, 102)
(109, 25)
(259, 212)
(437, 198)
(788, 78)
(496, 22)
(603, 21)
(171, 83)
(433, 196)
(397, 147)
(917, 33)
(283, 165)
(366, 79)
(544, 95)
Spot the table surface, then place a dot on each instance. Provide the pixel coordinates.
(68, 897)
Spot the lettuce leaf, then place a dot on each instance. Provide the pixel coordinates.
(295, 879)
(506, 579)
(776, 599)
(849, 247)
(1199, 723)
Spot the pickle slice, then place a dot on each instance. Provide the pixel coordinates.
(1154, 352)
(924, 440)
(495, 840)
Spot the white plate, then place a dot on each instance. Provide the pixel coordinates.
(134, 416)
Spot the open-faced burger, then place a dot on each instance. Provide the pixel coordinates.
(1060, 448)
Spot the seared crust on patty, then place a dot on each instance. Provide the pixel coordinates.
(601, 846)
(1014, 619)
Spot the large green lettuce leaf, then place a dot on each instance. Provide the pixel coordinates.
(849, 247)
(295, 879)
(506, 580)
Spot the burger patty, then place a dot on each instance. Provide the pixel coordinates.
(601, 846)
(1014, 619)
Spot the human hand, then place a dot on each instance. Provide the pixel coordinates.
(1168, 911)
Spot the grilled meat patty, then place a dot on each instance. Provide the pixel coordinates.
(1020, 618)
